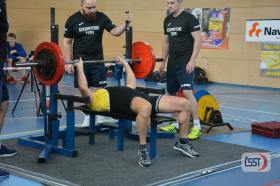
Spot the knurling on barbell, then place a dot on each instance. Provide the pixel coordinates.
(48, 62)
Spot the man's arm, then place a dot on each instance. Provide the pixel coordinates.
(68, 49)
(165, 51)
(165, 48)
(118, 30)
(130, 77)
(82, 81)
(197, 44)
(196, 47)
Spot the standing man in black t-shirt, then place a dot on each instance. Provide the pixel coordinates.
(181, 45)
(4, 96)
(83, 38)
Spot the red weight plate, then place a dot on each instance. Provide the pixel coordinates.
(56, 52)
(143, 51)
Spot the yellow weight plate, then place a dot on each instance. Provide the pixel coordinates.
(203, 103)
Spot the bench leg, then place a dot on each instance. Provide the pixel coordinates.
(92, 128)
(153, 141)
(121, 124)
(111, 133)
(68, 141)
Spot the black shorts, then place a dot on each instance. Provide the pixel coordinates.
(4, 96)
(121, 97)
(177, 77)
(95, 75)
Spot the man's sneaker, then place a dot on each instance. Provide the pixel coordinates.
(11, 80)
(169, 128)
(186, 149)
(5, 152)
(194, 134)
(3, 175)
(144, 157)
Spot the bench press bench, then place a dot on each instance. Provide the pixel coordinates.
(49, 142)
(122, 119)
(155, 120)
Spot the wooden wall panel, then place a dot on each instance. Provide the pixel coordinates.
(23, 18)
(143, 20)
(266, 3)
(238, 17)
(218, 69)
(135, 5)
(217, 3)
(162, 4)
(27, 4)
(266, 12)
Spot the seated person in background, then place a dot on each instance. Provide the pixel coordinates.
(127, 100)
(16, 53)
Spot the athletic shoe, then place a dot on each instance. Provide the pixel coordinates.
(5, 152)
(4, 175)
(169, 128)
(144, 157)
(186, 149)
(194, 134)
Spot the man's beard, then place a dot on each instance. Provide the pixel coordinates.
(89, 17)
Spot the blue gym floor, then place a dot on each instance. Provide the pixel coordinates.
(231, 177)
(240, 106)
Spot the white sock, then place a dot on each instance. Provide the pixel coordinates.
(196, 124)
(86, 121)
(86, 116)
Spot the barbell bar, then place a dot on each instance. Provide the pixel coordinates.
(48, 62)
(31, 63)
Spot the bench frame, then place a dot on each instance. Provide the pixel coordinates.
(49, 141)
(122, 123)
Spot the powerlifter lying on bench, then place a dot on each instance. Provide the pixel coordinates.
(126, 100)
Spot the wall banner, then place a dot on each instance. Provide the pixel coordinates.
(263, 30)
(214, 26)
(270, 60)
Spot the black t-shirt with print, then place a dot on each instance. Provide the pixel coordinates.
(179, 31)
(87, 35)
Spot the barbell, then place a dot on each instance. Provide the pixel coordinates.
(31, 63)
(48, 62)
